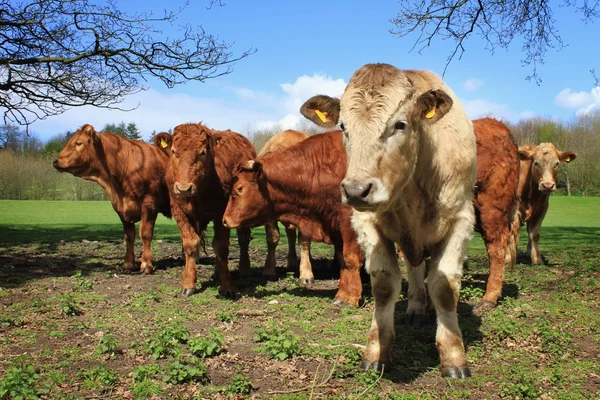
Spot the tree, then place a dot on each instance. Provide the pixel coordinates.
(58, 54)
(498, 22)
(13, 138)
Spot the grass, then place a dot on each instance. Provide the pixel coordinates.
(89, 331)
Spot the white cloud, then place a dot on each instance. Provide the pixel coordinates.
(472, 84)
(255, 98)
(527, 114)
(582, 102)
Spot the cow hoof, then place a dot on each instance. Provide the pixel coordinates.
(148, 270)
(375, 366)
(307, 282)
(188, 292)
(456, 372)
(229, 294)
(417, 319)
(483, 306)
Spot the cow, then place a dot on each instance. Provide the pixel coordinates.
(279, 141)
(411, 157)
(299, 185)
(132, 174)
(495, 200)
(198, 177)
(537, 180)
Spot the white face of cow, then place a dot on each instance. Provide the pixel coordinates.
(382, 116)
(545, 159)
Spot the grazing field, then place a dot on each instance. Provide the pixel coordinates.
(72, 325)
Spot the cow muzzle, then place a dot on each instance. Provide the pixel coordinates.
(56, 164)
(547, 187)
(184, 189)
(229, 223)
(361, 194)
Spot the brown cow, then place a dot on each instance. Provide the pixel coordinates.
(539, 165)
(411, 157)
(199, 176)
(132, 173)
(300, 186)
(495, 200)
(279, 141)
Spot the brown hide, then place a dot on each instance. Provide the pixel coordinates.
(537, 180)
(300, 185)
(495, 198)
(132, 173)
(199, 178)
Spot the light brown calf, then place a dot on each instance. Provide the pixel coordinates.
(537, 180)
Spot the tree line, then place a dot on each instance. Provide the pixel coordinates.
(26, 171)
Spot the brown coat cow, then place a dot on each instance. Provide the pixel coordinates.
(495, 200)
(539, 166)
(199, 177)
(300, 186)
(280, 141)
(132, 173)
(411, 157)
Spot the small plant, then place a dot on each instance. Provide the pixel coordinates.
(107, 344)
(167, 340)
(471, 292)
(69, 307)
(145, 389)
(19, 382)
(81, 281)
(8, 321)
(240, 385)
(208, 345)
(225, 316)
(181, 372)
(145, 372)
(278, 343)
(520, 386)
(98, 377)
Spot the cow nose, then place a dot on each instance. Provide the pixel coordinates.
(357, 191)
(55, 163)
(548, 185)
(183, 188)
(225, 223)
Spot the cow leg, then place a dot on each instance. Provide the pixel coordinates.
(272, 233)
(220, 245)
(350, 286)
(306, 274)
(417, 295)
(191, 244)
(244, 237)
(292, 257)
(146, 233)
(533, 231)
(129, 230)
(444, 289)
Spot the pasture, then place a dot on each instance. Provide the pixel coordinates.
(72, 325)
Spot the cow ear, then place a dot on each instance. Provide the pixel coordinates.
(432, 105)
(163, 140)
(89, 130)
(525, 153)
(567, 156)
(322, 110)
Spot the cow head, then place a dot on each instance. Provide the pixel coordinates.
(79, 157)
(383, 115)
(545, 159)
(191, 156)
(248, 203)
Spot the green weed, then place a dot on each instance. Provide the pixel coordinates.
(207, 346)
(180, 372)
(240, 385)
(98, 377)
(278, 343)
(20, 383)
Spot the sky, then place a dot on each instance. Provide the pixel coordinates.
(313, 47)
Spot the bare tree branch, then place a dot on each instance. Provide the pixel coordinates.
(59, 54)
(498, 22)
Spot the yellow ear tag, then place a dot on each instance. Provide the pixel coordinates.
(163, 143)
(430, 114)
(322, 115)
(567, 159)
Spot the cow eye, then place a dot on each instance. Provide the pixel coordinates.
(556, 164)
(79, 143)
(400, 125)
(535, 163)
(342, 127)
(203, 152)
(239, 188)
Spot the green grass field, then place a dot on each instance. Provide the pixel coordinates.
(73, 326)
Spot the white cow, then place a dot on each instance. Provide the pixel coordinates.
(411, 169)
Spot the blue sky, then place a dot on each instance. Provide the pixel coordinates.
(313, 47)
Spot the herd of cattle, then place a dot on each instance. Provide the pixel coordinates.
(408, 176)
